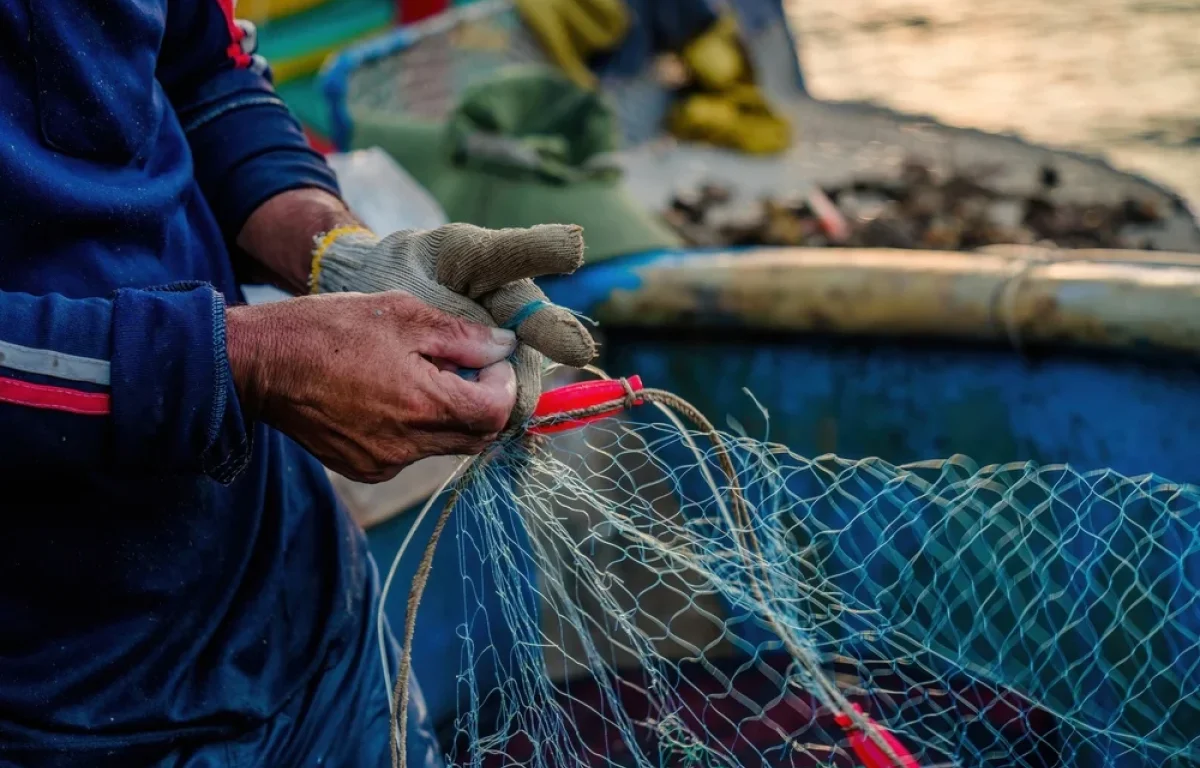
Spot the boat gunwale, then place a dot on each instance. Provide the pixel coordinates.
(1133, 302)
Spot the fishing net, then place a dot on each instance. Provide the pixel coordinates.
(679, 596)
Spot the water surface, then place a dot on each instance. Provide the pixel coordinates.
(1119, 78)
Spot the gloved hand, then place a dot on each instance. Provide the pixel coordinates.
(482, 275)
(572, 31)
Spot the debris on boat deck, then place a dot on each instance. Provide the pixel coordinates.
(918, 209)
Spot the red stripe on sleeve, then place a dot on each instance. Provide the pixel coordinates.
(52, 398)
(419, 10)
(241, 59)
(318, 142)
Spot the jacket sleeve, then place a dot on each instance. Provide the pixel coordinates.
(246, 145)
(139, 381)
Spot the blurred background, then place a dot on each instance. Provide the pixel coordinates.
(1117, 77)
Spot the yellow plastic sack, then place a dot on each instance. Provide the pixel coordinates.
(260, 11)
(716, 59)
(725, 107)
(572, 31)
(740, 118)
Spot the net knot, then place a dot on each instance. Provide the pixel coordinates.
(630, 395)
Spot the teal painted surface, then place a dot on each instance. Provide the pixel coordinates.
(304, 98)
(914, 402)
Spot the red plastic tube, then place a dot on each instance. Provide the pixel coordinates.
(867, 750)
(583, 394)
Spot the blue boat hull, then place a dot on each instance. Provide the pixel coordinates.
(912, 402)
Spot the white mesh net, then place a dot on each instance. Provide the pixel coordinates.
(683, 597)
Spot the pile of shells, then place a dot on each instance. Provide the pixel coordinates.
(919, 209)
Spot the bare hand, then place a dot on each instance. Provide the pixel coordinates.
(367, 382)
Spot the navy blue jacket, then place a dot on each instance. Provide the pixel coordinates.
(168, 571)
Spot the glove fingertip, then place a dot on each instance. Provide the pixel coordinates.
(564, 245)
(558, 335)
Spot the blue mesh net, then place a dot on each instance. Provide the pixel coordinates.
(670, 596)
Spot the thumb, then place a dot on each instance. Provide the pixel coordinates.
(464, 344)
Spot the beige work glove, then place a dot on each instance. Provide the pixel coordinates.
(482, 275)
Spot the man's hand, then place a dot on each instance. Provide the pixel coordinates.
(483, 275)
(367, 382)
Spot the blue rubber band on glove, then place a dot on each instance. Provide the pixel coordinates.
(524, 313)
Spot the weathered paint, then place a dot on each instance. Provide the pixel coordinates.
(928, 295)
(1115, 255)
(906, 402)
(914, 355)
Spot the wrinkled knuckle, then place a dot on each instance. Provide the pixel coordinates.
(400, 303)
(461, 331)
(480, 413)
(476, 446)
(427, 316)
(387, 459)
(494, 418)
(454, 406)
(462, 409)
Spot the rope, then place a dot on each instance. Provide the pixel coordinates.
(750, 549)
(1004, 304)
